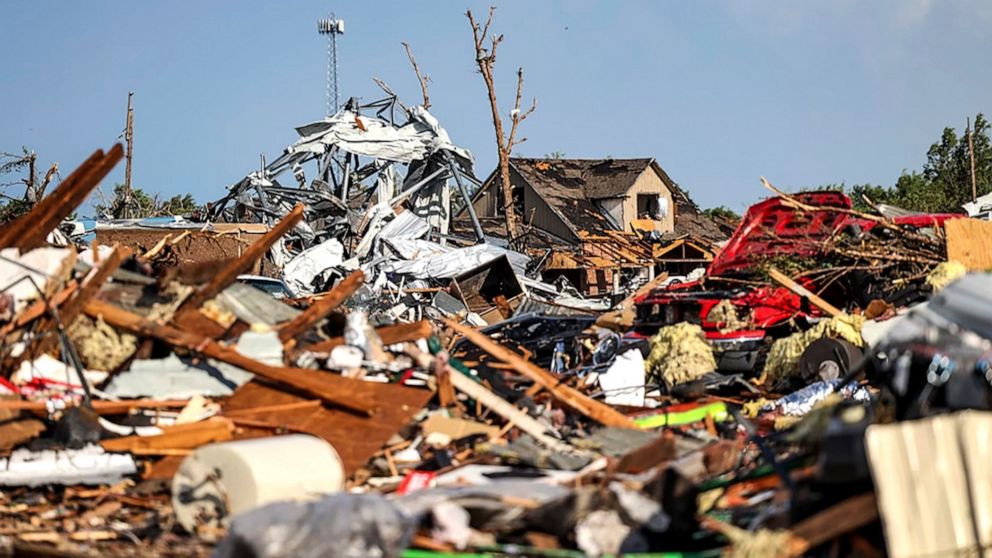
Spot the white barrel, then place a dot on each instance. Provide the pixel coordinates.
(220, 480)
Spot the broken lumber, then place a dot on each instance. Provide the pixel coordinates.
(100, 407)
(31, 229)
(322, 307)
(508, 411)
(332, 389)
(848, 515)
(815, 300)
(390, 335)
(600, 412)
(242, 263)
(183, 436)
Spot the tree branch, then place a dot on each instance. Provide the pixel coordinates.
(423, 79)
(516, 116)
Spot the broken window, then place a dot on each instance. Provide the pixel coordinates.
(651, 206)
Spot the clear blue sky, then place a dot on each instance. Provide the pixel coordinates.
(804, 93)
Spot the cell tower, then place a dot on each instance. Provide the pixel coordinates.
(332, 27)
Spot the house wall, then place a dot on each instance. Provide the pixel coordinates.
(648, 183)
(485, 203)
(535, 210)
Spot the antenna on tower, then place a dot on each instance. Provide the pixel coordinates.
(332, 27)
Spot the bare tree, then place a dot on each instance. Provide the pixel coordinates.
(34, 189)
(486, 59)
(422, 78)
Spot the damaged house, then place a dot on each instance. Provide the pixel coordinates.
(602, 223)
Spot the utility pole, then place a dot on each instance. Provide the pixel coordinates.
(971, 155)
(129, 138)
(332, 27)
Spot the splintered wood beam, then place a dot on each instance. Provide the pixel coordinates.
(571, 397)
(30, 230)
(515, 415)
(332, 389)
(229, 273)
(828, 524)
(390, 335)
(181, 436)
(802, 291)
(322, 307)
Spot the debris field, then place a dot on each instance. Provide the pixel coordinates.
(349, 355)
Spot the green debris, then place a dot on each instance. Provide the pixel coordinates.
(679, 354)
(783, 358)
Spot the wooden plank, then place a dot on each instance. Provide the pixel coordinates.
(571, 397)
(332, 389)
(100, 407)
(355, 438)
(183, 436)
(390, 335)
(508, 411)
(322, 307)
(848, 515)
(38, 308)
(227, 275)
(969, 241)
(787, 282)
(64, 203)
(19, 227)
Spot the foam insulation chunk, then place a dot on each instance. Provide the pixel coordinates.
(679, 354)
(783, 358)
(945, 274)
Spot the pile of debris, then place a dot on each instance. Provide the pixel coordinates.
(411, 393)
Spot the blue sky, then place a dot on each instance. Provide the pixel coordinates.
(804, 93)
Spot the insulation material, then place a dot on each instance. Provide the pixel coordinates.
(679, 354)
(100, 346)
(726, 313)
(783, 358)
(945, 274)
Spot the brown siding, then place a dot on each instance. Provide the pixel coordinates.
(648, 183)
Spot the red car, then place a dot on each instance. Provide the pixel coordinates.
(770, 229)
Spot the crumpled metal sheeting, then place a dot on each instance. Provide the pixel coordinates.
(301, 271)
(454, 262)
(176, 378)
(254, 306)
(415, 140)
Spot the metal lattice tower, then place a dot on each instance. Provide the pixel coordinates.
(332, 27)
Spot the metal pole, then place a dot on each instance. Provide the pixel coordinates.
(971, 155)
(129, 138)
(479, 235)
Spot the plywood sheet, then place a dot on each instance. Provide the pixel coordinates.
(969, 241)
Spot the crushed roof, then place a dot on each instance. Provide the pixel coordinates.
(582, 178)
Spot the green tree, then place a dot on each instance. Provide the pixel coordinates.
(141, 205)
(944, 183)
(722, 212)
